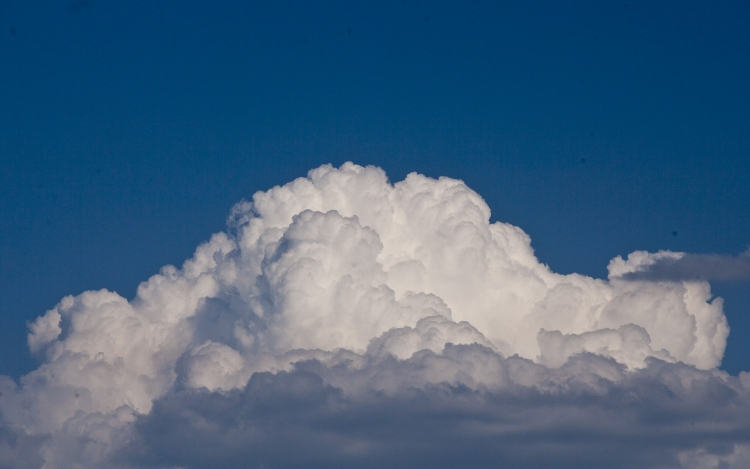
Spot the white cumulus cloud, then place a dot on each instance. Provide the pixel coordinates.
(364, 323)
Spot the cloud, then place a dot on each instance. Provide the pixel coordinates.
(568, 417)
(681, 266)
(346, 321)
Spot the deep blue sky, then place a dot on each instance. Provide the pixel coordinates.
(128, 130)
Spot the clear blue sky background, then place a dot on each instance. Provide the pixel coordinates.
(128, 129)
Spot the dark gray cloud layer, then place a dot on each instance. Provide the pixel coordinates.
(591, 412)
(570, 417)
(695, 267)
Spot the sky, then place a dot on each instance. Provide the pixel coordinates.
(129, 132)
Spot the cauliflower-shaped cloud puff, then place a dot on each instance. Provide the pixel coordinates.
(378, 287)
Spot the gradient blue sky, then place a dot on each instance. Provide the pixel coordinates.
(128, 130)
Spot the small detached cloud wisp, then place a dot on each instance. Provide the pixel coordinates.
(344, 321)
(681, 266)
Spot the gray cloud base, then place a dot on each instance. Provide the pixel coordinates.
(591, 412)
(652, 418)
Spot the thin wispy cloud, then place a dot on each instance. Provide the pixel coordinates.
(687, 266)
(344, 321)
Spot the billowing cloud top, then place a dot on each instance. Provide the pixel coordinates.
(341, 294)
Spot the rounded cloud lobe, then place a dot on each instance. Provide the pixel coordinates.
(363, 323)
